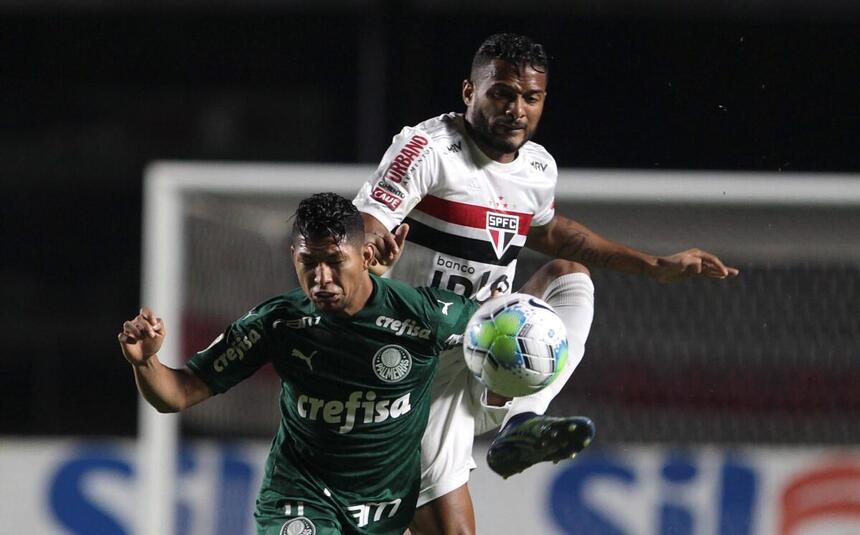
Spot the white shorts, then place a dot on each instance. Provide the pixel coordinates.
(458, 412)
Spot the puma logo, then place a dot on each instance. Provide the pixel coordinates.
(445, 306)
(307, 358)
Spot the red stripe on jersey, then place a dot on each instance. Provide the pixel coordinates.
(468, 215)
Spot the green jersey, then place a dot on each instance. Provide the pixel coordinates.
(354, 399)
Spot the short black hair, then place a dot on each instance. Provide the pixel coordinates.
(328, 215)
(516, 49)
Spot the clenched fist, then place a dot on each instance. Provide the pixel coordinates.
(141, 337)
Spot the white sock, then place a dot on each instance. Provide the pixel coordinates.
(572, 297)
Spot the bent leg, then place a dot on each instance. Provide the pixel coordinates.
(528, 437)
(567, 287)
(539, 283)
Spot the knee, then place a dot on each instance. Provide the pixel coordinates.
(557, 267)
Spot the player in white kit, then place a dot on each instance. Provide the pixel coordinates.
(468, 191)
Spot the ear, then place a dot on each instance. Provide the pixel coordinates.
(468, 92)
(367, 256)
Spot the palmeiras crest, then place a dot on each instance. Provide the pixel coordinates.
(298, 526)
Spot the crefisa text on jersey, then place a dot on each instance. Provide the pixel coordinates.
(236, 350)
(408, 327)
(333, 410)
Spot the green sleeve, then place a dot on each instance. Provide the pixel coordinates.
(452, 314)
(235, 355)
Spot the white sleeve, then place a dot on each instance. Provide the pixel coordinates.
(402, 179)
(546, 197)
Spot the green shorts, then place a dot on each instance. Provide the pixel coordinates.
(304, 516)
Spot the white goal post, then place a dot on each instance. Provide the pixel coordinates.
(170, 185)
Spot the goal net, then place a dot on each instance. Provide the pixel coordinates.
(769, 357)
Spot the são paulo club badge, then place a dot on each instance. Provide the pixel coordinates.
(298, 526)
(392, 363)
(502, 228)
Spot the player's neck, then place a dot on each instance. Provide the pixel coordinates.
(361, 298)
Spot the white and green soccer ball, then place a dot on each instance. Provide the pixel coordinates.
(515, 345)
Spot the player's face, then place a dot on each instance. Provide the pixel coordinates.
(333, 274)
(504, 104)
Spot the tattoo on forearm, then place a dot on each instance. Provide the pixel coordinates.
(575, 249)
(593, 257)
(571, 247)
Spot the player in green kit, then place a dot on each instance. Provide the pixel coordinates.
(356, 355)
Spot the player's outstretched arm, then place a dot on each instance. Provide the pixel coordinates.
(387, 247)
(165, 388)
(565, 238)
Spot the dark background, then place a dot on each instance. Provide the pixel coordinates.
(89, 94)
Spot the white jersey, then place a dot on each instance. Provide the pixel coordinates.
(468, 215)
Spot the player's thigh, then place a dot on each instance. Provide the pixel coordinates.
(446, 447)
(450, 514)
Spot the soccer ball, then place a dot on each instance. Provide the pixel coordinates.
(515, 345)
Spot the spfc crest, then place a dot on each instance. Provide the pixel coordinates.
(502, 228)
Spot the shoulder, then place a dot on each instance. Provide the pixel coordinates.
(446, 305)
(400, 295)
(439, 132)
(443, 126)
(291, 300)
(427, 141)
(394, 289)
(449, 312)
(442, 312)
(287, 306)
(539, 158)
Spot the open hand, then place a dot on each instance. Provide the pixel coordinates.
(691, 263)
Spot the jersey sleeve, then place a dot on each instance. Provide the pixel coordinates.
(545, 207)
(402, 179)
(452, 313)
(235, 354)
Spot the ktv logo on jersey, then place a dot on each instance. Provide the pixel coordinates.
(502, 228)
